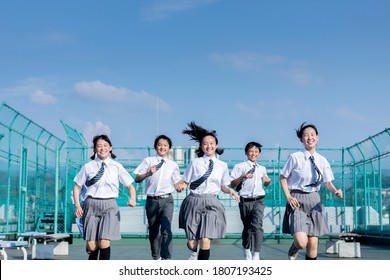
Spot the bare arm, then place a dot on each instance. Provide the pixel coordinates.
(330, 187)
(237, 181)
(76, 198)
(132, 195)
(140, 177)
(291, 200)
(230, 191)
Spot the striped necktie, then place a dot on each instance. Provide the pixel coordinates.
(319, 177)
(251, 171)
(198, 182)
(96, 177)
(158, 166)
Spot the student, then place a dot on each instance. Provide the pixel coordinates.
(202, 215)
(301, 179)
(248, 178)
(160, 175)
(100, 211)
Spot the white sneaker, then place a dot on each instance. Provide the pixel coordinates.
(247, 254)
(256, 256)
(293, 252)
(193, 255)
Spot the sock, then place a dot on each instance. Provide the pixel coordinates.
(105, 253)
(204, 254)
(311, 259)
(93, 255)
(188, 246)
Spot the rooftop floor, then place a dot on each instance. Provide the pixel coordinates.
(222, 249)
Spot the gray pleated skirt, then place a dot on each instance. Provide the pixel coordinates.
(101, 219)
(202, 216)
(309, 218)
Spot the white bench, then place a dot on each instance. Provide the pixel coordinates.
(50, 245)
(345, 246)
(20, 245)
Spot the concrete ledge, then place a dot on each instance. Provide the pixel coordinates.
(349, 250)
(332, 247)
(61, 248)
(43, 252)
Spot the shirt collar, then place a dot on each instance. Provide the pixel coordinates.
(106, 161)
(159, 158)
(308, 154)
(208, 158)
(251, 163)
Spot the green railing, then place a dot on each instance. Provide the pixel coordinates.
(29, 171)
(37, 171)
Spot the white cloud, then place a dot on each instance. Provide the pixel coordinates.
(245, 60)
(163, 9)
(350, 115)
(268, 110)
(298, 77)
(40, 97)
(292, 70)
(93, 129)
(108, 93)
(35, 88)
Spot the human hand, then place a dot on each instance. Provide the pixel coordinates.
(234, 194)
(266, 181)
(338, 193)
(153, 169)
(181, 186)
(78, 212)
(132, 203)
(294, 203)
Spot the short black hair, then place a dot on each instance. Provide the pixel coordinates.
(303, 127)
(251, 145)
(162, 136)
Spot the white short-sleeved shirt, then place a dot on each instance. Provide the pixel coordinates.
(163, 181)
(251, 187)
(108, 185)
(300, 173)
(219, 176)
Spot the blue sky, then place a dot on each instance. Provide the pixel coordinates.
(252, 70)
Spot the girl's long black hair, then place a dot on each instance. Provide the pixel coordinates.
(197, 133)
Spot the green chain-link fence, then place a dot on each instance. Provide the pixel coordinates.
(37, 171)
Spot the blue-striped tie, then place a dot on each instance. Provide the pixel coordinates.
(96, 177)
(198, 182)
(158, 166)
(318, 174)
(251, 171)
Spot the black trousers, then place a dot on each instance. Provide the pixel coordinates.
(159, 212)
(252, 213)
